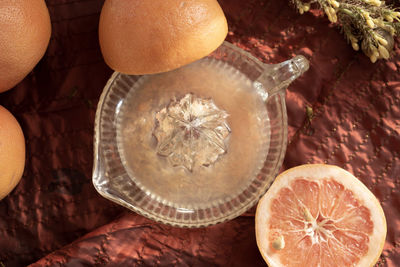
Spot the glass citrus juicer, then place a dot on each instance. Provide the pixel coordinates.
(194, 146)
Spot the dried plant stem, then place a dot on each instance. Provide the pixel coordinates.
(370, 24)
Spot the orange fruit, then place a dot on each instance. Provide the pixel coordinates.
(12, 152)
(24, 36)
(319, 215)
(142, 37)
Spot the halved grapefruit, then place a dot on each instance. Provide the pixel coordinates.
(319, 215)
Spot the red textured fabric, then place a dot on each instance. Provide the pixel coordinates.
(55, 217)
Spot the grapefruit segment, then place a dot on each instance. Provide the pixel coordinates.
(319, 215)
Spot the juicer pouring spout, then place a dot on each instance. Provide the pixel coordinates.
(276, 78)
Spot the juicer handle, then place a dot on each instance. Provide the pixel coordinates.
(277, 78)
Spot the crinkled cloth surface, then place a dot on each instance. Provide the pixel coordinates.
(56, 218)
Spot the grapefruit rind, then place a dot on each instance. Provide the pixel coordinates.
(318, 172)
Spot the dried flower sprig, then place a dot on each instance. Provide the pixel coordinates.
(370, 24)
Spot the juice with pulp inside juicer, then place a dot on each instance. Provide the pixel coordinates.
(194, 135)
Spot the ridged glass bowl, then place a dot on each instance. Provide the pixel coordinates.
(198, 199)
